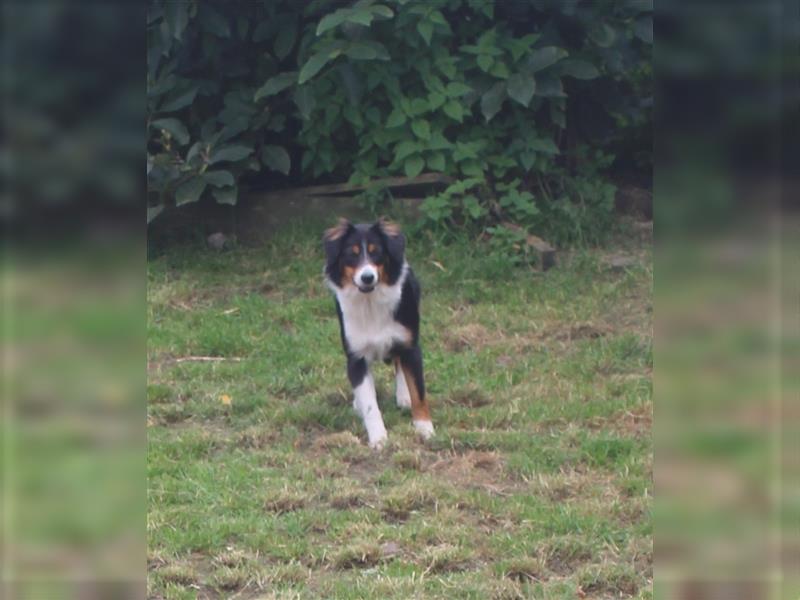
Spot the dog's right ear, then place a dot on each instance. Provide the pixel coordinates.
(332, 241)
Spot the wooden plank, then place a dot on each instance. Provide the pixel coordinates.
(345, 188)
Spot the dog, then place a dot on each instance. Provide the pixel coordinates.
(377, 302)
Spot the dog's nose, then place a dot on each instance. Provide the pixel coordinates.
(367, 278)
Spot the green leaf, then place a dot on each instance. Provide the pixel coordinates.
(454, 110)
(472, 167)
(413, 165)
(439, 142)
(284, 42)
(643, 28)
(421, 128)
(579, 69)
(229, 153)
(313, 66)
(437, 17)
(603, 35)
(276, 158)
(419, 106)
(194, 153)
(396, 118)
(485, 62)
(189, 191)
(404, 149)
(543, 145)
(367, 51)
(176, 15)
(276, 84)
(550, 87)
(226, 195)
(544, 57)
(527, 159)
(361, 16)
(213, 21)
(425, 29)
(473, 207)
(464, 150)
(436, 161)
(499, 69)
(333, 20)
(435, 100)
(219, 178)
(179, 99)
(305, 101)
(153, 212)
(382, 11)
(492, 100)
(557, 115)
(456, 89)
(521, 88)
(174, 127)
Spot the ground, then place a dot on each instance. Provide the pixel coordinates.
(538, 483)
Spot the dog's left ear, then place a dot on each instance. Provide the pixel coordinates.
(395, 240)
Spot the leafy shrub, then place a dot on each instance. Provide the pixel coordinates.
(503, 96)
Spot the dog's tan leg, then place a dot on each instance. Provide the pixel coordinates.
(420, 411)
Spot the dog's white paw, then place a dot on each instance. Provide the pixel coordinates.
(424, 429)
(379, 442)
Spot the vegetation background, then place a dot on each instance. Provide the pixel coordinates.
(537, 109)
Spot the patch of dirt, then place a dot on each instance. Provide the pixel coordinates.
(256, 438)
(470, 396)
(348, 500)
(569, 484)
(635, 422)
(342, 439)
(606, 581)
(582, 331)
(445, 558)
(472, 336)
(563, 555)
(285, 502)
(471, 469)
(526, 570)
(359, 556)
(338, 399)
(398, 505)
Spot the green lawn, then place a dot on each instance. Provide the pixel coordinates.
(538, 483)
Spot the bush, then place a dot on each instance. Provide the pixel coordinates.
(514, 99)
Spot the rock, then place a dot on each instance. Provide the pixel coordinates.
(217, 241)
(620, 262)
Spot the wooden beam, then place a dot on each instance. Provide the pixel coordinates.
(346, 188)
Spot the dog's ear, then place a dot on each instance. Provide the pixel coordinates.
(395, 240)
(332, 241)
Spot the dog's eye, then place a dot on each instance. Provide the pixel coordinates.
(355, 249)
(372, 248)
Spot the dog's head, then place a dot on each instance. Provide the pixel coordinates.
(364, 255)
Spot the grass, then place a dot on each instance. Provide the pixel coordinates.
(538, 483)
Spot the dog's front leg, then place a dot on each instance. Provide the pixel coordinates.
(365, 401)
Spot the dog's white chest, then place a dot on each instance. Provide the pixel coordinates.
(369, 324)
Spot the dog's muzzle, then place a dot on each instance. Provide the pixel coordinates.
(366, 279)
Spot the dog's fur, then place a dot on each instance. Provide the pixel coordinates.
(377, 301)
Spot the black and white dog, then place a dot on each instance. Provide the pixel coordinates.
(377, 300)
